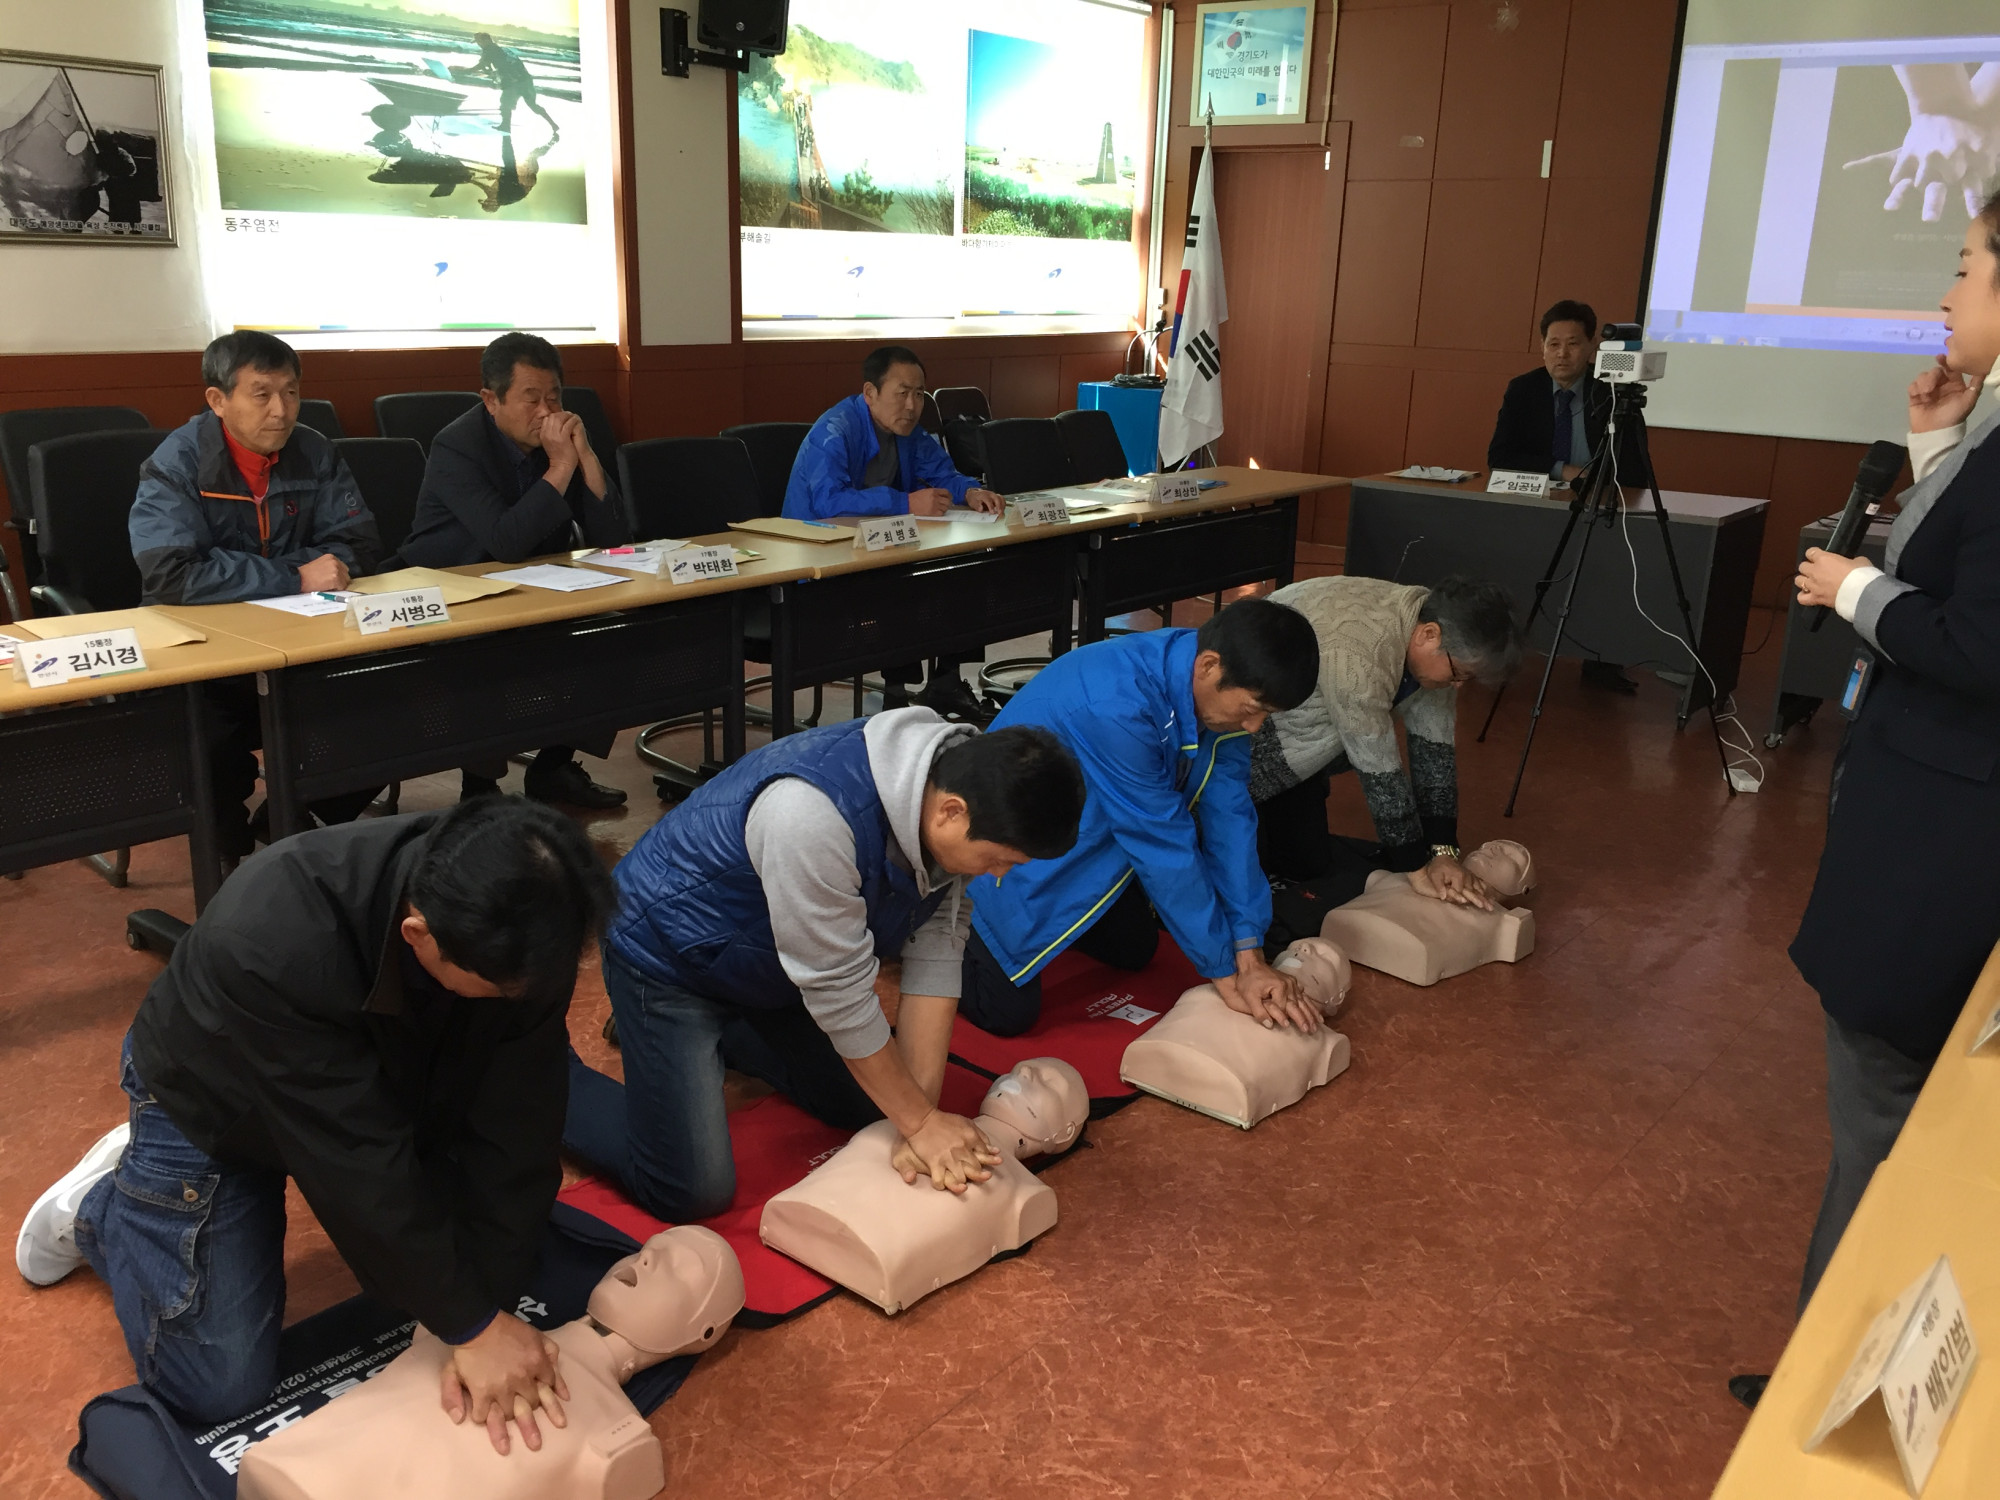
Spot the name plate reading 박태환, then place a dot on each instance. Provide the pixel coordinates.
(371, 614)
(1181, 486)
(1517, 482)
(693, 564)
(1042, 510)
(43, 664)
(878, 532)
(1919, 1354)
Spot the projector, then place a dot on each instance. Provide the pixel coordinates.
(1626, 363)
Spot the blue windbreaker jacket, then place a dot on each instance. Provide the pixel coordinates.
(835, 455)
(1169, 803)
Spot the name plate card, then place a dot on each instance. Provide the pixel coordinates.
(693, 564)
(1987, 1032)
(1168, 488)
(1517, 482)
(371, 614)
(43, 664)
(1042, 510)
(878, 532)
(1918, 1354)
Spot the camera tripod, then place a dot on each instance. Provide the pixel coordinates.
(1602, 500)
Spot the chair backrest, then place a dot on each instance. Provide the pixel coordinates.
(1024, 453)
(683, 487)
(421, 414)
(582, 400)
(21, 430)
(1090, 438)
(389, 472)
(774, 448)
(322, 419)
(932, 421)
(962, 401)
(83, 487)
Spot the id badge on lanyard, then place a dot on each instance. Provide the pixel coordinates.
(1859, 677)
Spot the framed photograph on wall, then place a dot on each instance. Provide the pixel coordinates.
(83, 152)
(1251, 62)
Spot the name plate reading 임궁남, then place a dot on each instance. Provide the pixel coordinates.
(371, 614)
(111, 653)
(1168, 488)
(1517, 482)
(1042, 510)
(694, 564)
(878, 532)
(1918, 1354)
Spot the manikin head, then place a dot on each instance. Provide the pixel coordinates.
(1972, 306)
(1322, 970)
(521, 381)
(676, 1296)
(1040, 1106)
(892, 383)
(999, 800)
(1504, 865)
(1253, 659)
(252, 384)
(1569, 340)
(1465, 632)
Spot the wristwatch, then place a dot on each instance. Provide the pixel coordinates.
(1445, 851)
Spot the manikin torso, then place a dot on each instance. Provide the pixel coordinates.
(391, 1440)
(856, 1222)
(1216, 1060)
(1417, 938)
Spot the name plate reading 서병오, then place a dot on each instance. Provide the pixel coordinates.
(43, 664)
(1042, 510)
(878, 532)
(693, 564)
(1168, 488)
(1517, 482)
(1918, 1353)
(371, 614)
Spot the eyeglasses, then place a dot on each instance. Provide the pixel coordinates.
(1458, 678)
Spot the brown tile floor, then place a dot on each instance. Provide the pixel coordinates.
(1514, 1251)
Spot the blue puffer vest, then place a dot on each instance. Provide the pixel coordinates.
(692, 910)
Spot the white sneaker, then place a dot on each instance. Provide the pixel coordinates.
(46, 1251)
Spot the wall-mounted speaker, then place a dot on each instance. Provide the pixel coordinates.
(743, 26)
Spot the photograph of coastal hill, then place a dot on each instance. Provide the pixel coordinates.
(1047, 144)
(433, 109)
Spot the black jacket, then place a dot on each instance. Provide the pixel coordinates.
(1524, 432)
(474, 506)
(293, 1030)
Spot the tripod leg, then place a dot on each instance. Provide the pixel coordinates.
(1548, 671)
(1498, 693)
(1541, 598)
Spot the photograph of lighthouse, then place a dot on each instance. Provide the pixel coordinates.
(1043, 152)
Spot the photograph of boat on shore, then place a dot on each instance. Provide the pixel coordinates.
(83, 152)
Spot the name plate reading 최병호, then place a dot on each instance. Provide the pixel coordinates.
(371, 614)
(1042, 510)
(110, 653)
(1918, 1355)
(1517, 482)
(694, 564)
(878, 532)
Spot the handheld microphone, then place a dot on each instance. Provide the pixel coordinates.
(1879, 468)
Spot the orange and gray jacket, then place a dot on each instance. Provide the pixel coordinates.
(199, 538)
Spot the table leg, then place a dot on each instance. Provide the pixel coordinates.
(204, 858)
(781, 660)
(1290, 506)
(1090, 590)
(288, 816)
(732, 703)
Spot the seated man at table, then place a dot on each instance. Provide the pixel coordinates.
(241, 503)
(869, 457)
(511, 479)
(754, 918)
(1161, 722)
(1552, 419)
(1387, 651)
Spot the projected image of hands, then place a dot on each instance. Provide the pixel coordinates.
(1952, 145)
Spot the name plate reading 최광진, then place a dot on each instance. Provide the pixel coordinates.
(694, 564)
(878, 532)
(371, 614)
(111, 653)
(1168, 488)
(1042, 510)
(1918, 1353)
(1517, 482)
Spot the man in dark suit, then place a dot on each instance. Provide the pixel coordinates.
(516, 478)
(1552, 419)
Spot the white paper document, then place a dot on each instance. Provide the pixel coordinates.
(331, 602)
(554, 576)
(964, 513)
(1433, 473)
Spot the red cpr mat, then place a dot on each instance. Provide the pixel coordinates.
(1090, 1014)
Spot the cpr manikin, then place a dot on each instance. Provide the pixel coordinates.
(856, 1222)
(391, 1440)
(1221, 1062)
(1415, 937)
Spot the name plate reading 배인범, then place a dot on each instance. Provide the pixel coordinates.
(693, 564)
(878, 532)
(111, 653)
(1918, 1354)
(1042, 510)
(1517, 482)
(371, 614)
(1168, 488)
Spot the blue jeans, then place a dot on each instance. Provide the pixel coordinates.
(194, 1254)
(664, 1133)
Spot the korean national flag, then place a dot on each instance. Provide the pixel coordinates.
(1191, 406)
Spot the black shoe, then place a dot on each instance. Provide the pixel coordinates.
(470, 786)
(1608, 675)
(950, 698)
(569, 783)
(1749, 1389)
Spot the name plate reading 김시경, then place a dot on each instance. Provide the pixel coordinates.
(1517, 482)
(1918, 1353)
(1042, 510)
(693, 564)
(371, 614)
(878, 532)
(111, 653)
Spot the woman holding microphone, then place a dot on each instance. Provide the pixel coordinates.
(1905, 909)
